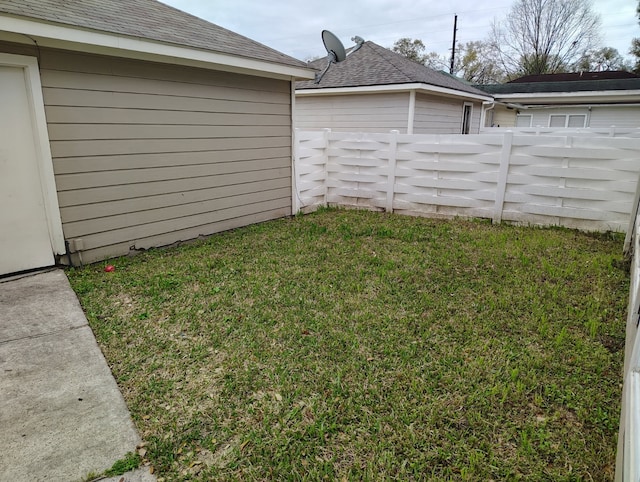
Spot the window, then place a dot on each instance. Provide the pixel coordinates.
(467, 109)
(576, 120)
(523, 120)
(567, 120)
(557, 120)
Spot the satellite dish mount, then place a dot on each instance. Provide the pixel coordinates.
(335, 51)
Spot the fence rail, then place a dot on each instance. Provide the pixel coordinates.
(612, 131)
(576, 181)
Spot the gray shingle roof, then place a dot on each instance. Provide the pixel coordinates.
(375, 65)
(567, 86)
(147, 19)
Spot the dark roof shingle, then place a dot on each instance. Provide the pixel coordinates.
(147, 19)
(567, 86)
(373, 65)
(575, 76)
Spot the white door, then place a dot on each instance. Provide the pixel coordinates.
(24, 234)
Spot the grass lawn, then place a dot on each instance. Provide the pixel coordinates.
(350, 345)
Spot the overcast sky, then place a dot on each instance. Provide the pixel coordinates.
(294, 27)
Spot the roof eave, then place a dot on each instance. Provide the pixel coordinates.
(59, 36)
(374, 89)
(571, 97)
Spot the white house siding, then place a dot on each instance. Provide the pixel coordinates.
(149, 154)
(619, 116)
(502, 117)
(355, 112)
(624, 116)
(441, 115)
(540, 116)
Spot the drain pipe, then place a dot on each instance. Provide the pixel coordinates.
(66, 245)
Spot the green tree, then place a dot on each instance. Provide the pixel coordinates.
(476, 63)
(413, 49)
(605, 58)
(635, 46)
(544, 36)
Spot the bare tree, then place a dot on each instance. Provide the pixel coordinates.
(544, 36)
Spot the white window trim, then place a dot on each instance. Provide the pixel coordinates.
(566, 120)
(464, 106)
(522, 116)
(44, 163)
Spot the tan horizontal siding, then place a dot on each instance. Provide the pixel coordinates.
(135, 219)
(147, 154)
(78, 62)
(84, 197)
(154, 102)
(71, 165)
(148, 146)
(109, 251)
(106, 83)
(92, 115)
(135, 231)
(123, 206)
(85, 180)
(81, 132)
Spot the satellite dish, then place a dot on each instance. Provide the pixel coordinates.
(335, 49)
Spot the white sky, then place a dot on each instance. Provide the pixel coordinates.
(293, 27)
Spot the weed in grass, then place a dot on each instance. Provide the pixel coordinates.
(356, 345)
(129, 462)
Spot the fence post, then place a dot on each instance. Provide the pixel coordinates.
(326, 166)
(503, 172)
(629, 238)
(295, 175)
(391, 166)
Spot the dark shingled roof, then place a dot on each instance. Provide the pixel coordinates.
(372, 65)
(568, 86)
(575, 76)
(146, 19)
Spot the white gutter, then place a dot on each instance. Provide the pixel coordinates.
(376, 89)
(605, 95)
(576, 106)
(84, 40)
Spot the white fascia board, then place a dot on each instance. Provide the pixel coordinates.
(567, 97)
(93, 41)
(377, 89)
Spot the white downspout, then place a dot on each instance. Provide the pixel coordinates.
(483, 115)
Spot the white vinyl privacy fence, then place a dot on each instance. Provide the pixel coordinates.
(577, 181)
(628, 456)
(612, 131)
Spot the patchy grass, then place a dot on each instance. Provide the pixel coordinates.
(356, 345)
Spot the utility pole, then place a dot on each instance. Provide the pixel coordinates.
(453, 47)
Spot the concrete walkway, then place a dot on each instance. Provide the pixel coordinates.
(61, 413)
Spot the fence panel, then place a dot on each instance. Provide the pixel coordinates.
(612, 131)
(445, 175)
(573, 181)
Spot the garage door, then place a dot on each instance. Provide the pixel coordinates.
(25, 242)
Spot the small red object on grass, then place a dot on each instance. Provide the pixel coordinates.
(109, 268)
